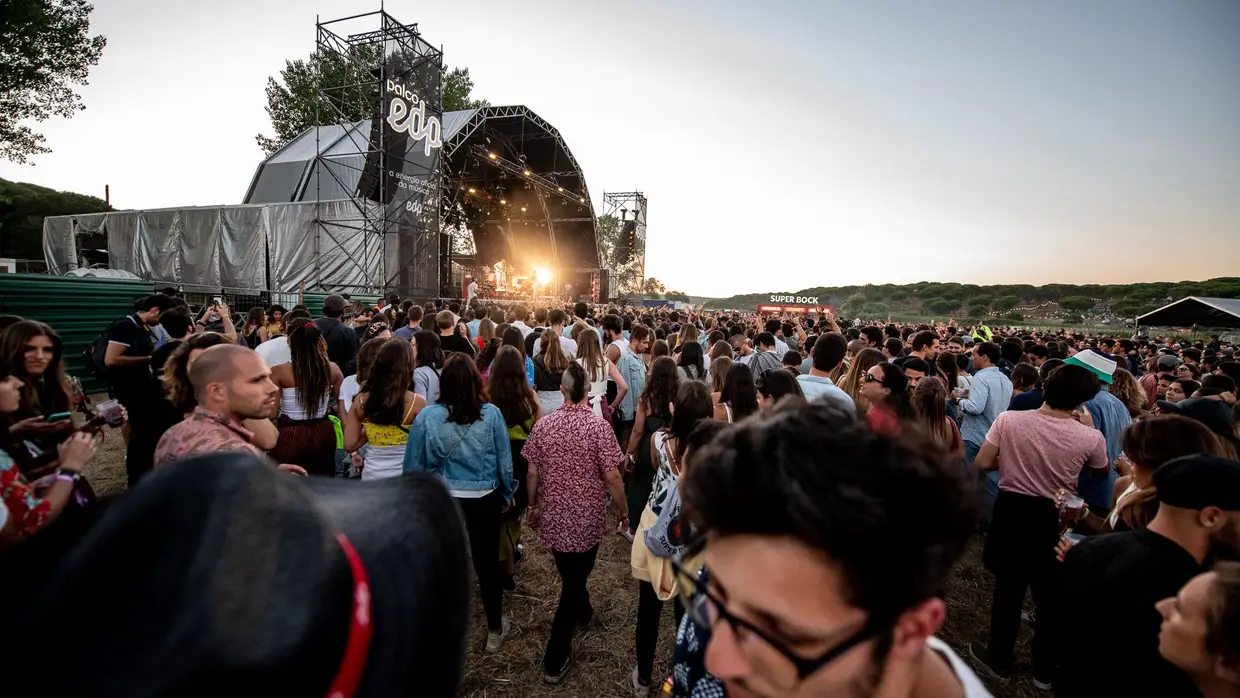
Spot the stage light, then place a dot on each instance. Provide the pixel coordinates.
(543, 275)
(472, 190)
(504, 202)
(491, 155)
(522, 209)
(527, 173)
(583, 199)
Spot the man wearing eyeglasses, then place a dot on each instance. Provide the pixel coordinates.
(835, 591)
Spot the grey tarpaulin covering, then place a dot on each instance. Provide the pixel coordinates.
(59, 244)
(331, 254)
(231, 246)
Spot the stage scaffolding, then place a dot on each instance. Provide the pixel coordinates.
(628, 277)
(369, 60)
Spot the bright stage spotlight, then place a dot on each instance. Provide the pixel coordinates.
(543, 275)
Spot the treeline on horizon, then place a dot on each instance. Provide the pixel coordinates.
(23, 207)
(1002, 300)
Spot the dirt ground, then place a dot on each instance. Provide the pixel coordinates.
(605, 658)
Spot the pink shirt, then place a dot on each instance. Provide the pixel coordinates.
(573, 450)
(1039, 454)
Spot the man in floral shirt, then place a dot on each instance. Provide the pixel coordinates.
(573, 456)
(231, 383)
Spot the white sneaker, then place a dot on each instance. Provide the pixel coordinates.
(640, 690)
(496, 640)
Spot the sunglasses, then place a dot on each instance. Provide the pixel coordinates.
(869, 378)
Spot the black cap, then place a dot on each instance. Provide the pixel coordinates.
(1199, 481)
(1213, 413)
(334, 305)
(224, 576)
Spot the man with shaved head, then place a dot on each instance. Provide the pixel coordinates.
(231, 383)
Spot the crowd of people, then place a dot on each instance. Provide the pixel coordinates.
(810, 482)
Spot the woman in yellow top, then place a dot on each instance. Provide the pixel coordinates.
(383, 411)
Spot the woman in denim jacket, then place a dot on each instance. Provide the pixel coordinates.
(465, 442)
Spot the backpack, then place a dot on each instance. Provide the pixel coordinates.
(94, 357)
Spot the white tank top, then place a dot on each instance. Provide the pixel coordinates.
(291, 408)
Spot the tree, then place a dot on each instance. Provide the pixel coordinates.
(852, 305)
(940, 306)
(653, 288)
(978, 311)
(1076, 303)
(23, 208)
(45, 50)
(677, 296)
(457, 86)
(295, 103)
(1005, 302)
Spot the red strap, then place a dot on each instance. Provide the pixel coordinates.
(354, 662)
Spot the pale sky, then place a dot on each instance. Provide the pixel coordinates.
(782, 144)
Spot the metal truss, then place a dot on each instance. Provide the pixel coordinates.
(464, 150)
(369, 59)
(628, 279)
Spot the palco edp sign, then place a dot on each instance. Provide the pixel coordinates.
(407, 114)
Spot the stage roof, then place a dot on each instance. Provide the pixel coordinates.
(289, 175)
(1195, 310)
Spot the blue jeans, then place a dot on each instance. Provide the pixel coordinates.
(988, 483)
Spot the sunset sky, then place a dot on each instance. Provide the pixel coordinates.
(781, 144)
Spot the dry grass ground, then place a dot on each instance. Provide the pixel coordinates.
(605, 658)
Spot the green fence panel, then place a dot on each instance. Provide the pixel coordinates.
(78, 308)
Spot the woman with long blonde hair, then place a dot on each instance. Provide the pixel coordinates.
(486, 332)
(866, 359)
(1126, 387)
(598, 369)
(549, 369)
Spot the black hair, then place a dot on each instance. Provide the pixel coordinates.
(693, 405)
(430, 352)
(895, 381)
(460, 388)
(1070, 386)
(829, 351)
(765, 339)
(691, 357)
(843, 491)
(1024, 376)
(772, 326)
(873, 335)
(176, 322)
(1039, 351)
(739, 392)
(157, 300)
(581, 310)
(792, 359)
(580, 386)
(914, 363)
(990, 351)
(613, 324)
(778, 383)
(1188, 385)
(1044, 371)
(924, 339)
(1012, 350)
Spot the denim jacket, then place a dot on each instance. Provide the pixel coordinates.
(481, 458)
(633, 370)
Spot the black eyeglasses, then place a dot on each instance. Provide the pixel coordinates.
(869, 378)
(706, 609)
